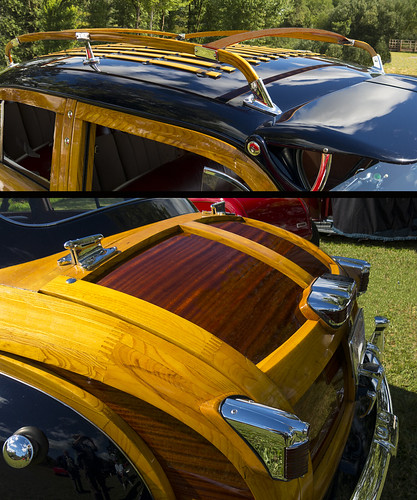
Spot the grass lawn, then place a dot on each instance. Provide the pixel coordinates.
(404, 63)
(392, 293)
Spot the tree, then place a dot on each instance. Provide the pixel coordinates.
(372, 21)
(99, 13)
(18, 17)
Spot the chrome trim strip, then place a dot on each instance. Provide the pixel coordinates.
(371, 372)
(384, 446)
(356, 342)
(279, 438)
(208, 171)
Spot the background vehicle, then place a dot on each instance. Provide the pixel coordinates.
(168, 352)
(291, 214)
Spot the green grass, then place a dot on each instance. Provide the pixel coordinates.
(404, 63)
(392, 293)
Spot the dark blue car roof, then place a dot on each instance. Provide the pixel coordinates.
(324, 103)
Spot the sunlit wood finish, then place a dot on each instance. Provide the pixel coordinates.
(50, 102)
(298, 33)
(99, 414)
(11, 180)
(285, 266)
(136, 361)
(135, 37)
(171, 363)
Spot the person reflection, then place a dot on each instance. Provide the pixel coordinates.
(91, 464)
(74, 472)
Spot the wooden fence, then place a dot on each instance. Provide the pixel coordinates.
(403, 45)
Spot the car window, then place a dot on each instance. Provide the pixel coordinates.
(44, 211)
(28, 136)
(124, 161)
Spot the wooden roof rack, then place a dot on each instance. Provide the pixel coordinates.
(220, 51)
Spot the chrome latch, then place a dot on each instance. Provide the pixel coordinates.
(86, 252)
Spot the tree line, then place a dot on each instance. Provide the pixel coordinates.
(373, 21)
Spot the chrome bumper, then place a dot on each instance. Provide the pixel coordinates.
(385, 437)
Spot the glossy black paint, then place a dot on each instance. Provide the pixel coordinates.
(375, 118)
(324, 103)
(36, 234)
(81, 461)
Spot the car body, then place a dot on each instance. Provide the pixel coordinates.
(36, 227)
(152, 111)
(199, 356)
(291, 214)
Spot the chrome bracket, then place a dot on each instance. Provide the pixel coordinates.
(357, 269)
(219, 208)
(279, 438)
(91, 60)
(86, 252)
(260, 99)
(378, 66)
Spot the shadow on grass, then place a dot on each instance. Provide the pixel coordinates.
(410, 244)
(402, 474)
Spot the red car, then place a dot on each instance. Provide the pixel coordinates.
(291, 214)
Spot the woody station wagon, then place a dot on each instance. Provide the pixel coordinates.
(154, 111)
(205, 356)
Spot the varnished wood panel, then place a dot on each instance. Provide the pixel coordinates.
(194, 467)
(241, 300)
(41, 100)
(10, 180)
(285, 247)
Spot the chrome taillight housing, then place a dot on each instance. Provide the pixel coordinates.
(357, 269)
(332, 297)
(279, 438)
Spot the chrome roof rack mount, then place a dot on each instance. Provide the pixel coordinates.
(218, 50)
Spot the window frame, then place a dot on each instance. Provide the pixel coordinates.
(186, 139)
(74, 138)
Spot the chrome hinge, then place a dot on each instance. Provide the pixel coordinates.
(86, 252)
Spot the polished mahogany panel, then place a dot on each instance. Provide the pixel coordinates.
(238, 298)
(194, 467)
(292, 252)
(321, 405)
